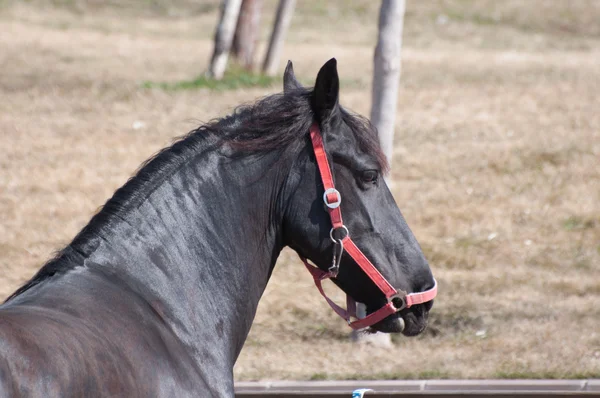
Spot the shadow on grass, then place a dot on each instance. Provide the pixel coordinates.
(232, 80)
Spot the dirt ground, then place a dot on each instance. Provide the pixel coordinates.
(496, 168)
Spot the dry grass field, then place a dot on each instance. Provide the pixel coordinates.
(496, 169)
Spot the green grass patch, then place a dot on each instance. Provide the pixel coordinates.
(578, 223)
(526, 374)
(318, 376)
(233, 79)
(425, 374)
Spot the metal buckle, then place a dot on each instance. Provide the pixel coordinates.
(335, 204)
(401, 296)
(337, 258)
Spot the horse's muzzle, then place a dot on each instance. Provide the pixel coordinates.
(410, 321)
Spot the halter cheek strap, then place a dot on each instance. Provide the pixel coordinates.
(397, 299)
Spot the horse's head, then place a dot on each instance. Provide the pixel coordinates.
(369, 211)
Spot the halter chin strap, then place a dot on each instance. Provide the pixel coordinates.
(397, 299)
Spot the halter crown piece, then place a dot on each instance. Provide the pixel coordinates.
(397, 299)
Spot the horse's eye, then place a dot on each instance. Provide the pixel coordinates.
(369, 176)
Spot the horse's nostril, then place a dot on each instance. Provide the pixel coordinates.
(428, 286)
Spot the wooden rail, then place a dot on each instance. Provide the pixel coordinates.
(421, 388)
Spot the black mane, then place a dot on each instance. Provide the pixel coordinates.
(276, 122)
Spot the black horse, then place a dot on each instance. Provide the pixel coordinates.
(156, 295)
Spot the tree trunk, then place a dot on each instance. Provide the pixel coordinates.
(246, 33)
(386, 76)
(386, 72)
(230, 10)
(282, 21)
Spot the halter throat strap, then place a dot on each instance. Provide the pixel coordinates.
(397, 299)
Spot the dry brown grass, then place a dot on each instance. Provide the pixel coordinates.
(497, 166)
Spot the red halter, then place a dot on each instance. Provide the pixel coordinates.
(332, 199)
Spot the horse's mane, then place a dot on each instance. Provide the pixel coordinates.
(275, 122)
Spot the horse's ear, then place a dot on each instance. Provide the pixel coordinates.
(326, 92)
(290, 82)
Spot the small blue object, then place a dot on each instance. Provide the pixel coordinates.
(360, 392)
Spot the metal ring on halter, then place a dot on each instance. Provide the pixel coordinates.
(335, 204)
(398, 296)
(333, 229)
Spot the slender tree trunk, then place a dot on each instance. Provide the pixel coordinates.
(230, 10)
(386, 76)
(246, 33)
(386, 72)
(282, 21)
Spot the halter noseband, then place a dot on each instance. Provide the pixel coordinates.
(397, 299)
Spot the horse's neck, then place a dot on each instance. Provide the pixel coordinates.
(200, 249)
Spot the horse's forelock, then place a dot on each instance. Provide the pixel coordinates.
(366, 135)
